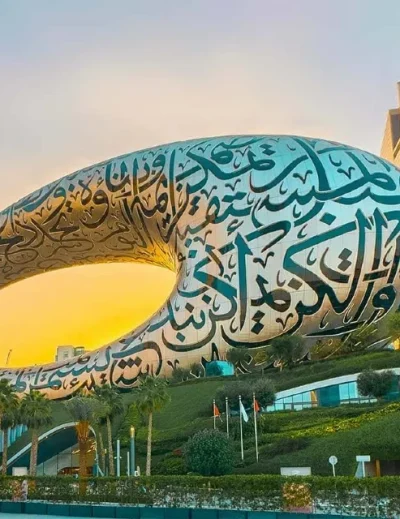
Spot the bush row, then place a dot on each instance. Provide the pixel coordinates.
(379, 497)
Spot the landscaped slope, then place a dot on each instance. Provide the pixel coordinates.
(190, 410)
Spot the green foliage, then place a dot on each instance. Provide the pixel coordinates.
(152, 395)
(110, 401)
(86, 409)
(232, 390)
(284, 446)
(393, 326)
(238, 355)
(345, 496)
(360, 339)
(9, 405)
(325, 348)
(376, 384)
(287, 349)
(209, 453)
(264, 390)
(35, 410)
(197, 369)
(171, 465)
(262, 387)
(180, 375)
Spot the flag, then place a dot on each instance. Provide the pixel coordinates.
(243, 411)
(256, 409)
(216, 413)
(216, 410)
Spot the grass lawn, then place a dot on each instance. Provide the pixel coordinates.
(190, 410)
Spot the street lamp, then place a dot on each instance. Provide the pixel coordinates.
(132, 451)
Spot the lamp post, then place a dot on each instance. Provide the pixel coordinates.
(118, 458)
(132, 452)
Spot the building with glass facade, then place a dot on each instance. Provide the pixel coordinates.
(327, 393)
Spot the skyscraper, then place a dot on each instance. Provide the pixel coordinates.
(390, 149)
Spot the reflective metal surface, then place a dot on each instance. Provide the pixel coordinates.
(267, 234)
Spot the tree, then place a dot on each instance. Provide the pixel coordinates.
(393, 326)
(232, 391)
(375, 384)
(9, 419)
(9, 404)
(209, 453)
(35, 413)
(237, 356)
(180, 375)
(262, 387)
(264, 391)
(151, 397)
(287, 349)
(111, 404)
(85, 411)
(197, 369)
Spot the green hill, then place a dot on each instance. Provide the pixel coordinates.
(306, 437)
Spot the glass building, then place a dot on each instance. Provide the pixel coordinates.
(327, 396)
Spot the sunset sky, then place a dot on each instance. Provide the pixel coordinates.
(82, 81)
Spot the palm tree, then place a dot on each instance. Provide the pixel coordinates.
(85, 411)
(35, 412)
(152, 396)
(8, 420)
(9, 403)
(112, 404)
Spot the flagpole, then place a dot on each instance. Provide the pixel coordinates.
(214, 417)
(241, 426)
(255, 425)
(227, 416)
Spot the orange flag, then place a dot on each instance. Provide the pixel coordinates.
(256, 406)
(216, 410)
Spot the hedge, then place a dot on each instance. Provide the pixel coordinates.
(377, 497)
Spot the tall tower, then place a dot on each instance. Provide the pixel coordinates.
(390, 149)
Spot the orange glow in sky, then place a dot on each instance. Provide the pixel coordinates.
(82, 306)
(82, 82)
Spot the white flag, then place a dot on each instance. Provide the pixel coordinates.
(243, 412)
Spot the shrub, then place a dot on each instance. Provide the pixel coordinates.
(262, 387)
(238, 355)
(268, 423)
(264, 390)
(325, 348)
(287, 349)
(234, 428)
(209, 453)
(197, 369)
(171, 465)
(286, 445)
(180, 375)
(232, 390)
(375, 384)
(393, 326)
(360, 339)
